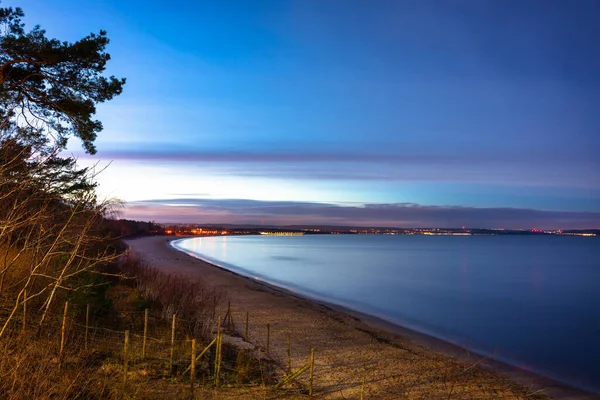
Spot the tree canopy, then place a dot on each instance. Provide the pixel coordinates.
(49, 89)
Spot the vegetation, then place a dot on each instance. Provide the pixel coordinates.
(53, 245)
(50, 88)
(128, 228)
(50, 218)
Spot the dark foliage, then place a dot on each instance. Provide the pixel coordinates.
(123, 228)
(49, 89)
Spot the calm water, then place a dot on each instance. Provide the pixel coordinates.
(533, 301)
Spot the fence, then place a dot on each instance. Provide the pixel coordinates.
(147, 340)
(141, 340)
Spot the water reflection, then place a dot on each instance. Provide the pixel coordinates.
(529, 300)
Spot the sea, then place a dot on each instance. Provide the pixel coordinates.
(530, 301)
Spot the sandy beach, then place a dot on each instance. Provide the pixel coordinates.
(395, 362)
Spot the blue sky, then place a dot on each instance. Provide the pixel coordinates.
(473, 107)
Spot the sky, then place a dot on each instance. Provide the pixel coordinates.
(393, 113)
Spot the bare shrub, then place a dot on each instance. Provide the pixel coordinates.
(192, 301)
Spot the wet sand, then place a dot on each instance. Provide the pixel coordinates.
(349, 346)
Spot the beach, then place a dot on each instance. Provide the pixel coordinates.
(395, 362)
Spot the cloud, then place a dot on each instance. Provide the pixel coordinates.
(190, 194)
(389, 166)
(271, 157)
(367, 154)
(244, 211)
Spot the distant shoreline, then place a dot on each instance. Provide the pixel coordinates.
(551, 387)
(229, 229)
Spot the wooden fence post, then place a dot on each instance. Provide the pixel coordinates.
(218, 353)
(247, 320)
(312, 369)
(362, 388)
(125, 360)
(211, 344)
(87, 323)
(63, 331)
(145, 333)
(220, 357)
(193, 366)
(172, 345)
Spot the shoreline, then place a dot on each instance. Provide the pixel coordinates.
(378, 329)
